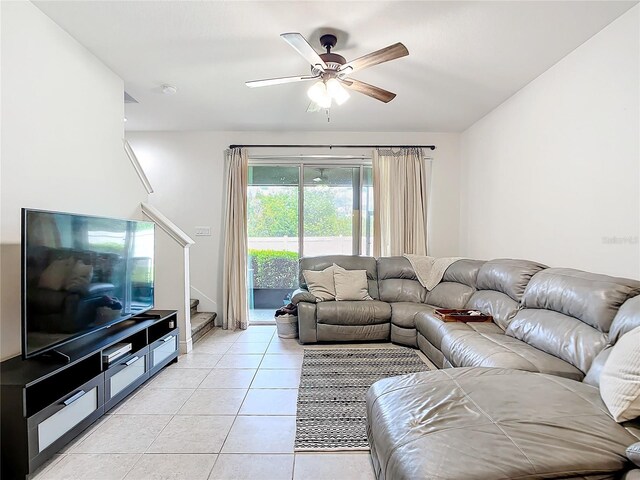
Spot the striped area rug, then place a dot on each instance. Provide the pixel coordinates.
(331, 398)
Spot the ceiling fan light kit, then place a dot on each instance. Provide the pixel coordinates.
(324, 92)
(332, 71)
(337, 91)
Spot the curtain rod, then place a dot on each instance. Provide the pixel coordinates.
(431, 147)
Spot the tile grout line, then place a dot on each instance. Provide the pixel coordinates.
(234, 420)
(273, 340)
(293, 467)
(132, 466)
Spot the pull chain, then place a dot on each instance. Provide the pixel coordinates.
(328, 115)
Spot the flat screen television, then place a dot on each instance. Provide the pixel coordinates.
(81, 273)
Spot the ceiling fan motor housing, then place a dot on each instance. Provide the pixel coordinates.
(333, 60)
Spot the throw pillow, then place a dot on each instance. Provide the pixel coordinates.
(633, 453)
(55, 275)
(351, 284)
(320, 283)
(79, 278)
(620, 378)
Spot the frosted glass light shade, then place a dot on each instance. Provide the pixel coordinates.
(318, 94)
(337, 91)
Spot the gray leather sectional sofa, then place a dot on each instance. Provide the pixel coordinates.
(523, 401)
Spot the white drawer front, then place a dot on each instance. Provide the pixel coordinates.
(64, 420)
(126, 376)
(164, 350)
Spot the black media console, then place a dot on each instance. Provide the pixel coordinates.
(45, 403)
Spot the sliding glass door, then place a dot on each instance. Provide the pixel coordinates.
(272, 221)
(329, 210)
(299, 210)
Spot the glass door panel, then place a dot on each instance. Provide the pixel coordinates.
(272, 221)
(329, 210)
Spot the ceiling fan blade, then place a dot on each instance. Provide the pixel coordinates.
(386, 54)
(300, 45)
(277, 81)
(375, 92)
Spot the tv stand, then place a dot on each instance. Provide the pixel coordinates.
(45, 404)
(146, 316)
(55, 354)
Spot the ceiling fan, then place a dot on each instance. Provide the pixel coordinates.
(320, 178)
(333, 71)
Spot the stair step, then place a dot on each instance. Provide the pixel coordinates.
(201, 323)
(194, 306)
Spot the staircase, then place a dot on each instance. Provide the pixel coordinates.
(201, 322)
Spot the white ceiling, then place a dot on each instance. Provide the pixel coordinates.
(465, 57)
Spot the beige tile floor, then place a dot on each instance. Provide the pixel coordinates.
(224, 411)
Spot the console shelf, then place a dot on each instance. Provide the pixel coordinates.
(45, 403)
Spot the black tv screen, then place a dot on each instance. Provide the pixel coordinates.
(81, 273)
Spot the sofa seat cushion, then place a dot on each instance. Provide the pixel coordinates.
(404, 336)
(431, 327)
(367, 312)
(472, 348)
(485, 327)
(449, 424)
(403, 313)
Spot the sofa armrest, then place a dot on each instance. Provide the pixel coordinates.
(307, 327)
(302, 295)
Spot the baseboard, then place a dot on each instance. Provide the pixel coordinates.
(186, 346)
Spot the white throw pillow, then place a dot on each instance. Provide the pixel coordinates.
(55, 275)
(320, 283)
(79, 278)
(620, 378)
(351, 284)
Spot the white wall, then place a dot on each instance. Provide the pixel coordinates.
(553, 174)
(186, 170)
(62, 129)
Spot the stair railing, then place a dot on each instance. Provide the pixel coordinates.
(172, 282)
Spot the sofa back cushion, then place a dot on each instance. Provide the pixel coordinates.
(592, 298)
(349, 262)
(397, 281)
(500, 285)
(463, 271)
(567, 313)
(627, 318)
(508, 276)
(457, 285)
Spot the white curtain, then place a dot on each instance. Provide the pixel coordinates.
(234, 302)
(400, 193)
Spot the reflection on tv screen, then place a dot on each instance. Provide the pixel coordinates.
(82, 273)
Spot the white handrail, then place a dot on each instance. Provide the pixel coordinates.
(167, 225)
(137, 167)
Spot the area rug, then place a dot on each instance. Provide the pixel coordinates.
(331, 398)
